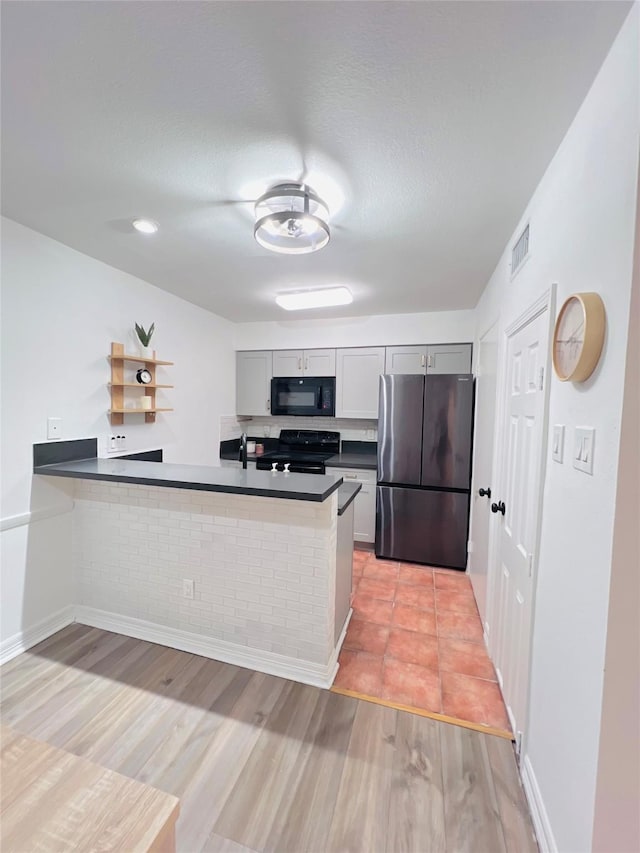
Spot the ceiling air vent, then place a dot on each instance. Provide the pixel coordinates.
(520, 251)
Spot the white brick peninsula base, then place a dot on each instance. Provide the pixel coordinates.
(264, 573)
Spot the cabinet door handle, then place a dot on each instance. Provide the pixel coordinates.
(351, 476)
(306, 364)
(299, 364)
(422, 360)
(429, 361)
(268, 404)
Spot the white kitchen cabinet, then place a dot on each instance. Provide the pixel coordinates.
(319, 362)
(288, 362)
(308, 362)
(358, 372)
(253, 383)
(364, 525)
(406, 359)
(437, 358)
(449, 358)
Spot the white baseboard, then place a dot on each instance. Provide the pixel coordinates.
(541, 824)
(261, 661)
(23, 518)
(24, 640)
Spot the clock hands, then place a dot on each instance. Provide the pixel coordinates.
(572, 339)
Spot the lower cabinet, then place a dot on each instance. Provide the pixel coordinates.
(364, 523)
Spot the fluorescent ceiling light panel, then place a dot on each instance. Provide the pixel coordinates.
(324, 298)
(145, 226)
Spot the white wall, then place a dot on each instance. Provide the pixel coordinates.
(441, 327)
(582, 219)
(60, 312)
(617, 818)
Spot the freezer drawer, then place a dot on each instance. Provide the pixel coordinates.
(422, 526)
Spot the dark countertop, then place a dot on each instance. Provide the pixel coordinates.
(346, 494)
(300, 487)
(355, 454)
(340, 460)
(232, 456)
(353, 460)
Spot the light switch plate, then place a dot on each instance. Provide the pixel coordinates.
(583, 448)
(557, 443)
(54, 428)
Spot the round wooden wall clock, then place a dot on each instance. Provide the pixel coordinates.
(578, 337)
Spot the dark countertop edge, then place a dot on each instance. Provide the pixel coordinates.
(58, 471)
(352, 489)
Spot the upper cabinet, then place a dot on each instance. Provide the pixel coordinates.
(253, 383)
(358, 372)
(405, 359)
(308, 362)
(449, 358)
(439, 358)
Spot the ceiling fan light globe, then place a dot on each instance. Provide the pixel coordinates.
(291, 220)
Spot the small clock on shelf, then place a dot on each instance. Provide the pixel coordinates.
(578, 337)
(143, 376)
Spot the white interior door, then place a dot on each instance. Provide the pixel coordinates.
(516, 504)
(485, 427)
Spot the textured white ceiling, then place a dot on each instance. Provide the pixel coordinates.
(425, 125)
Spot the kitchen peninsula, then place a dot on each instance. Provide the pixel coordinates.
(249, 567)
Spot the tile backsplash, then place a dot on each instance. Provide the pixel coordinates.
(270, 426)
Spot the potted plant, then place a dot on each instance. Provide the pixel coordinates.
(145, 338)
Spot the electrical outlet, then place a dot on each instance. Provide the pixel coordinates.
(54, 427)
(188, 588)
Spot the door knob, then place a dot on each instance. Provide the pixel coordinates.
(499, 507)
(485, 493)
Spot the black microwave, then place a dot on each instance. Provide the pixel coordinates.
(304, 395)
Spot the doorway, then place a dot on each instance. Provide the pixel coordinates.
(517, 500)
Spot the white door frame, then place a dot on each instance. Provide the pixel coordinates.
(493, 324)
(545, 302)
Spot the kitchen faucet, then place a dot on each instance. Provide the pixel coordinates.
(242, 455)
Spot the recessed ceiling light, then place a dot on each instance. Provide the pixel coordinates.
(145, 226)
(324, 298)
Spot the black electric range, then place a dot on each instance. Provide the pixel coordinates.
(304, 450)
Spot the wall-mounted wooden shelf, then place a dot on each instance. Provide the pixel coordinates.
(118, 383)
(137, 385)
(136, 411)
(138, 358)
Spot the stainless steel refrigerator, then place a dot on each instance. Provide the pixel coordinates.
(425, 431)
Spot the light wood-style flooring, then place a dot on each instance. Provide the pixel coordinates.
(264, 764)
